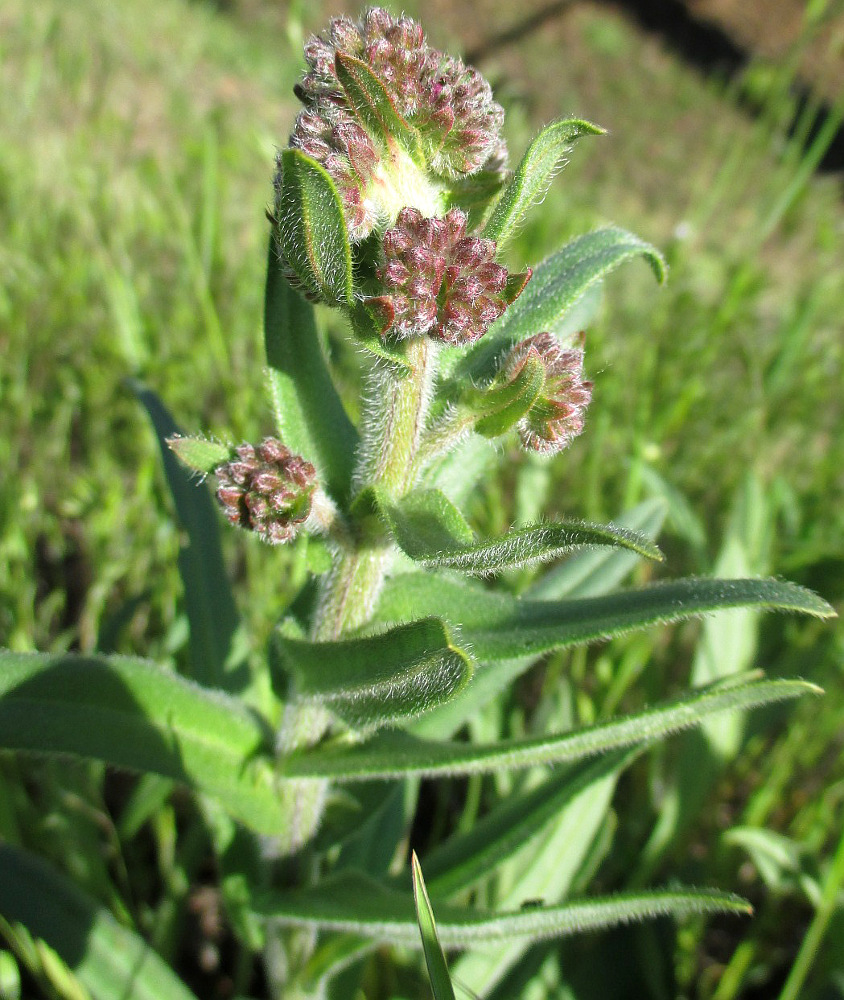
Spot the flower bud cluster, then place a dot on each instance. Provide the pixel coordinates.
(556, 417)
(438, 280)
(266, 489)
(449, 104)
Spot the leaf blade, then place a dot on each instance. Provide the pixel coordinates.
(395, 754)
(534, 174)
(430, 529)
(434, 957)
(380, 679)
(132, 714)
(309, 414)
(556, 286)
(312, 230)
(209, 602)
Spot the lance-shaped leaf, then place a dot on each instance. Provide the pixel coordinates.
(380, 679)
(132, 714)
(209, 602)
(396, 754)
(430, 529)
(312, 229)
(534, 174)
(373, 106)
(354, 902)
(499, 626)
(555, 287)
(310, 417)
(434, 957)
(200, 454)
(109, 960)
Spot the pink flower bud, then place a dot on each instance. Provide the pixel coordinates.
(438, 281)
(266, 489)
(556, 418)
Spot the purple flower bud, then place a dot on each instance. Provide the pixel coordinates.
(439, 281)
(556, 418)
(450, 105)
(266, 489)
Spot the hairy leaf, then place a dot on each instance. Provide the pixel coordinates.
(556, 285)
(132, 714)
(499, 626)
(394, 754)
(199, 454)
(310, 417)
(373, 105)
(430, 529)
(356, 903)
(312, 229)
(380, 679)
(533, 175)
(110, 960)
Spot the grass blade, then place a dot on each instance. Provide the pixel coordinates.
(434, 957)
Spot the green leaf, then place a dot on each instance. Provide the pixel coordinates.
(431, 530)
(500, 626)
(356, 903)
(557, 284)
(132, 714)
(380, 679)
(371, 102)
(310, 417)
(534, 174)
(199, 454)
(395, 754)
(434, 957)
(598, 571)
(209, 603)
(312, 230)
(501, 407)
(110, 960)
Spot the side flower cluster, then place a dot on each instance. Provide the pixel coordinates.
(439, 281)
(266, 489)
(449, 105)
(556, 416)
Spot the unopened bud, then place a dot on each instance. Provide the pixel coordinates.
(556, 416)
(266, 489)
(439, 281)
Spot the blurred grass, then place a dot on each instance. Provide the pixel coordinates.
(135, 166)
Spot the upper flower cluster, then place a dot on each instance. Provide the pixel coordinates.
(445, 105)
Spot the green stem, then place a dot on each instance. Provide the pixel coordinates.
(392, 428)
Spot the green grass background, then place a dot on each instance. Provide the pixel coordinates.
(136, 147)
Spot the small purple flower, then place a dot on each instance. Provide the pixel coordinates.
(438, 280)
(266, 489)
(556, 418)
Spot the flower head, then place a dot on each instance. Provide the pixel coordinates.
(438, 280)
(556, 417)
(266, 489)
(444, 106)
